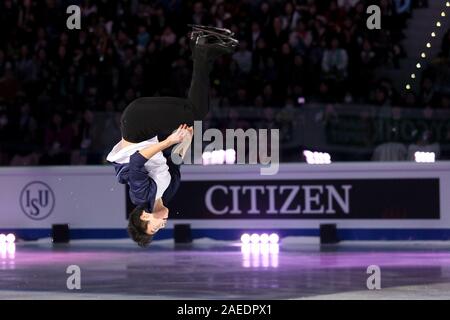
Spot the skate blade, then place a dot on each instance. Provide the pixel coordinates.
(221, 32)
(183, 146)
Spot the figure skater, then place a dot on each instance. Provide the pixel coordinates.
(141, 160)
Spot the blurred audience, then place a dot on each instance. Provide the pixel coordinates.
(61, 90)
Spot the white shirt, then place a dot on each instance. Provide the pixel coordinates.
(156, 166)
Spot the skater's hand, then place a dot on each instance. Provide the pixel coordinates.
(190, 130)
(178, 135)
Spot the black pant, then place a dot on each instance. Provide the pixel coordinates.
(147, 117)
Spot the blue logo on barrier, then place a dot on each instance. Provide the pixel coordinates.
(37, 200)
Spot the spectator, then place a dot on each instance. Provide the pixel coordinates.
(301, 38)
(290, 17)
(335, 61)
(199, 15)
(410, 100)
(139, 48)
(58, 141)
(277, 36)
(427, 91)
(256, 34)
(243, 57)
(445, 47)
(143, 37)
(390, 151)
(9, 85)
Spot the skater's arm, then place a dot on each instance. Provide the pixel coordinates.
(174, 138)
(153, 149)
(142, 187)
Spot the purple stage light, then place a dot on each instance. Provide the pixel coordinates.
(265, 260)
(245, 238)
(264, 238)
(254, 238)
(218, 157)
(10, 238)
(259, 254)
(274, 260)
(317, 157)
(206, 157)
(274, 248)
(230, 156)
(11, 249)
(264, 248)
(274, 238)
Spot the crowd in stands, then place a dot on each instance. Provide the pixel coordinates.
(62, 91)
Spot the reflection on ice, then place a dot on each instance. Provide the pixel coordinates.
(257, 255)
(7, 255)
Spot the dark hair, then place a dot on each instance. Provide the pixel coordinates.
(137, 227)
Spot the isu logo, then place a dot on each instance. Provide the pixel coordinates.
(37, 200)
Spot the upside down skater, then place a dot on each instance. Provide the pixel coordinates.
(141, 160)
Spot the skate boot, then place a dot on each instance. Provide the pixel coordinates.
(216, 41)
(211, 30)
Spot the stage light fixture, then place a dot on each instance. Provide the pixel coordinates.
(230, 156)
(264, 248)
(60, 233)
(257, 239)
(206, 158)
(428, 44)
(245, 238)
(254, 238)
(264, 238)
(11, 249)
(219, 157)
(424, 157)
(317, 157)
(274, 238)
(182, 233)
(10, 238)
(328, 234)
(259, 254)
(274, 248)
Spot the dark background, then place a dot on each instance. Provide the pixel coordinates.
(62, 91)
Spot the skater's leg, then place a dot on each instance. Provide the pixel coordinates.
(198, 96)
(147, 117)
(204, 53)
